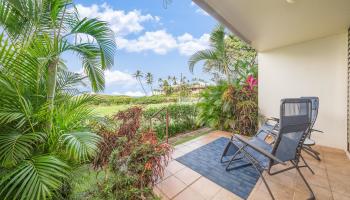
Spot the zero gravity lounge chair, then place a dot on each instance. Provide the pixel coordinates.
(308, 143)
(294, 127)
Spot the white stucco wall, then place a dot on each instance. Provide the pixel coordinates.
(313, 68)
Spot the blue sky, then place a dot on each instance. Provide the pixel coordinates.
(149, 38)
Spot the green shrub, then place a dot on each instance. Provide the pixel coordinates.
(182, 119)
(229, 107)
(117, 100)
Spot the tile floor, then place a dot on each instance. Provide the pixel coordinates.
(330, 182)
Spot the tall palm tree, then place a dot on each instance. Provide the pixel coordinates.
(174, 79)
(41, 118)
(160, 82)
(138, 75)
(34, 162)
(216, 58)
(149, 80)
(51, 28)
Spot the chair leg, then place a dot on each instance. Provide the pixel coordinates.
(261, 175)
(225, 150)
(307, 165)
(234, 157)
(311, 152)
(312, 197)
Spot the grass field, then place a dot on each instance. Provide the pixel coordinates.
(113, 109)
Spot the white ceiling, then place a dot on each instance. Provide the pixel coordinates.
(268, 24)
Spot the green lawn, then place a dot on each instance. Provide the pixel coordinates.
(113, 109)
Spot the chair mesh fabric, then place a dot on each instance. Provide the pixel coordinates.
(314, 112)
(295, 120)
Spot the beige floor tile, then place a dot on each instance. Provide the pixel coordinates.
(339, 196)
(340, 183)
(320, 193)
(189, 194)
(287, 178)
(205, 187)
(339, 167)
(159, 194)
(321, 181)
(177, 154)
(224, 194)
(332, 151)
(187, 175)
(279, 191)
(171, 186)
(165, 175)
(174, 166)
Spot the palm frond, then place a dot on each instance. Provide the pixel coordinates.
(14, 147)
(103, 35)
(80, 146)
(203, 55)
(69, 81)
(36, 178)
(90, 55)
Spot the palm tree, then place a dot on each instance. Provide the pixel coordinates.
(138, 75)
(174, 79)
(216, 58)
(42, 133)
(149, 80)
(51, 28)
(31, 157)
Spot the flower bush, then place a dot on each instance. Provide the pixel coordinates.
(230, 106)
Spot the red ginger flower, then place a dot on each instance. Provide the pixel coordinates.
(252, 82)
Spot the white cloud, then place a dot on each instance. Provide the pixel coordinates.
(121, 22)
(159, 42)
(130, 93)
(188, 45)
(125, 23)
(116, 77)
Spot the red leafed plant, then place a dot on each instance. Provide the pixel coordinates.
(127, 123)
(128, 152)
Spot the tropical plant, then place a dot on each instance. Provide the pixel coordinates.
(149, 81)
(33, 162)
(182, 119)
(174, 80)
(229, 106)
(166, 87)
(42, 117)
(53, 27)
(228, 55)
(138, 75)
(134, 157)
(216, 58)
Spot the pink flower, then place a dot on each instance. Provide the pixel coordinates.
(252, 82)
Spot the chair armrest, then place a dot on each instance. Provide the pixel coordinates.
(315, 130)
(258, 149)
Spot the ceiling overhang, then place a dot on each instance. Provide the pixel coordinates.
(269, 24)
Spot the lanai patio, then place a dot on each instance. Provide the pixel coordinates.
(330, 181)
(303, 50)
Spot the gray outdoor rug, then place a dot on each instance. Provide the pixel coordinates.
(206, 161)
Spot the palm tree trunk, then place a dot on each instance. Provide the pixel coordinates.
(51, 90)
(142, 87)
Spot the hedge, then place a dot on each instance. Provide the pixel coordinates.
(182, 119)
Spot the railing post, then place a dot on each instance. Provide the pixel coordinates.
(167, 126)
